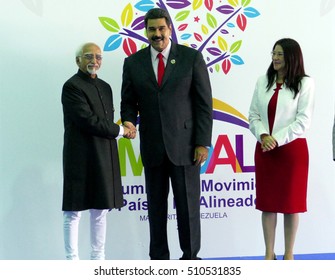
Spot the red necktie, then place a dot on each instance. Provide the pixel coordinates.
(161, 67)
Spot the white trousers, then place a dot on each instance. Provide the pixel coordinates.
(97, 230)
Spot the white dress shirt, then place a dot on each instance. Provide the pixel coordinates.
(155, 59)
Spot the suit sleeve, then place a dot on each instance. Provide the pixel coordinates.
(129, 104)
(203, 102)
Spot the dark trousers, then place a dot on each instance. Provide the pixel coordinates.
(185, 181)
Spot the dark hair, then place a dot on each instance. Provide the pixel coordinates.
(156, 13)
(294, 65)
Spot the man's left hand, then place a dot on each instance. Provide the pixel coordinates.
(200, 155)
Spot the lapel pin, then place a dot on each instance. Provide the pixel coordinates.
(173, 61)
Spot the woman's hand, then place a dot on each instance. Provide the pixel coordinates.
(268, 142)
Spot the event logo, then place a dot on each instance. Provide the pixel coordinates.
(199, 24)
(234, 154)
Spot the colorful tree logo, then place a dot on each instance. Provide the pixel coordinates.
(215, 35)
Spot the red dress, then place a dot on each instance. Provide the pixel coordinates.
(281, 174)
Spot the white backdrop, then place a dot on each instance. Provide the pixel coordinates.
(38, 42)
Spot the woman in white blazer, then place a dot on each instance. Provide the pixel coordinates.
(279, 116)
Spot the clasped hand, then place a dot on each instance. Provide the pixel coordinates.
(268, 143)
(129, 130)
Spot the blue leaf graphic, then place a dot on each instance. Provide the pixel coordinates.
(251, 12)
(113, 42)
(231, 25)
(237, 60)
(144, 5)
(185, 36)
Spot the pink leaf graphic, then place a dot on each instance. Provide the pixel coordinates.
(241, 22)
(209, 4)
(129, 46)
(226, 65)
(182, 27)
(198, 37)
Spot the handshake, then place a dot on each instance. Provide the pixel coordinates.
(129, 130)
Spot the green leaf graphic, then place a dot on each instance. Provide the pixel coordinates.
(212, 22)
(110, 24)
(182, 15)
(245, 3)
(235, 46)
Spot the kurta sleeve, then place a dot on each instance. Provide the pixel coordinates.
(84, 106)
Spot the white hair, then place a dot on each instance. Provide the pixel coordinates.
(79, 51)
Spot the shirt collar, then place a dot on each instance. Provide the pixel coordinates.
(164, 52)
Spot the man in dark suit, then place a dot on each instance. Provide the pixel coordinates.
(175, 130)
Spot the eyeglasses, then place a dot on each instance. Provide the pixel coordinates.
(90, 56)
(280, 54)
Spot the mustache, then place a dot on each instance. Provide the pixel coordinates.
(157, 37)
(93, 65)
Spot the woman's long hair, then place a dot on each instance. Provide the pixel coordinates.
(294, 65)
